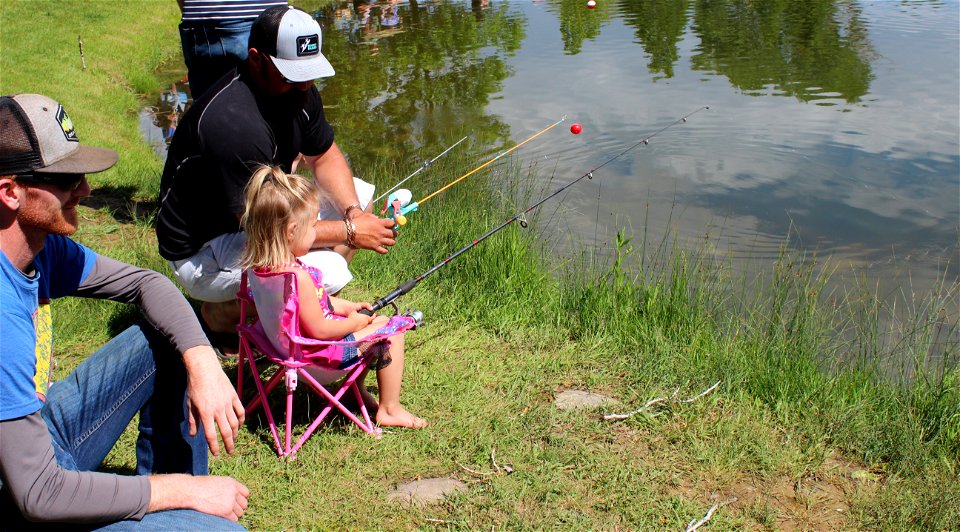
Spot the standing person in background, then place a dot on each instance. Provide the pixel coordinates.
(53, 436)
(214, 35)
(268, 111)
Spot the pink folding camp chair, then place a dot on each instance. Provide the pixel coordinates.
(275, 334)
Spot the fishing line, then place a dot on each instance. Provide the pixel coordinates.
(418, 170)
(411, 283)
(401, 202)
(491, 161)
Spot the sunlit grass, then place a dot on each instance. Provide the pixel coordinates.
(827, 399)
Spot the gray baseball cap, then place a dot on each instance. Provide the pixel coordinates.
(38, 137)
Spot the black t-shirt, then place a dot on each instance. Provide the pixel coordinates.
(219, 142)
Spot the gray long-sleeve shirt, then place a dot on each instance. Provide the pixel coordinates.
(39, 487)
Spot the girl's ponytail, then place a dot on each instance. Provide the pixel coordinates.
(273, 199)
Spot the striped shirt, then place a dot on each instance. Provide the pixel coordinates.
(226, 9)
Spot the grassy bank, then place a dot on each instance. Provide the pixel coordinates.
(792, 437)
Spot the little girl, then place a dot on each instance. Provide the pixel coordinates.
(279, 221)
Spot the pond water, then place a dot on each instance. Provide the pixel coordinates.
(836, 121)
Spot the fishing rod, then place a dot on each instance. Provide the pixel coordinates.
(411, 283)
(399, 205)
(418, 170)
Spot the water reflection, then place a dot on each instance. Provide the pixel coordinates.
(413, 77)
(837, 119)
(811, 50)
(160, 119)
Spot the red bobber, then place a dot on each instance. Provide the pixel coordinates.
(576, 129)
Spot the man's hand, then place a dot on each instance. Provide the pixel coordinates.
(211, 398)
(373, 232)
(220, 496)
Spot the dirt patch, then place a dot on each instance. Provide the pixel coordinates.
(820, 500)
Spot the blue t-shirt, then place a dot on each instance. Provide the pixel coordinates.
(26, 331)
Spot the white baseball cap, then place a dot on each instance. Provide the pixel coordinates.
(292, 39)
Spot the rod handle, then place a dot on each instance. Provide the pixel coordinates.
(389, 298)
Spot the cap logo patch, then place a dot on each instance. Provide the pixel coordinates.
(308, 45)
(66, 125)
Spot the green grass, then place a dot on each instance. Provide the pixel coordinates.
(832, 412)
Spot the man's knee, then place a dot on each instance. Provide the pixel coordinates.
(213, 273)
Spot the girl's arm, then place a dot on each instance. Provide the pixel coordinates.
(312, 322)
(345, 307)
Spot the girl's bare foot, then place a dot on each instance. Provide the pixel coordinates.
(398, 416)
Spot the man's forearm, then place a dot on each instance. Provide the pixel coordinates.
(43, 491)
(334, 177)
(330, 233)
(162, 304)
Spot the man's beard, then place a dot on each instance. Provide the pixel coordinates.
(293, 101)
(53, 221)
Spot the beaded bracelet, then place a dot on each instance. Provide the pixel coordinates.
(346, 212)
(351, 232)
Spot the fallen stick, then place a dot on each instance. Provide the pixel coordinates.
(475, 472)
(694, 524)
(442, 521)
(650, 403)
(497, 468)
(701, 394)
(669, 400)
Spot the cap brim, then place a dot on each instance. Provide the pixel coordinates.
(300, 70)
(85, 160)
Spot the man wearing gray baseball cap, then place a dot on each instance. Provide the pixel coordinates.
(266, 112)
(54, 435)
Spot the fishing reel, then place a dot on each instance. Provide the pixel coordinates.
(408, 313)
(398, 205)
(417, 317)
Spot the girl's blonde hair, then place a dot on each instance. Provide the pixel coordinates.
(275, 198)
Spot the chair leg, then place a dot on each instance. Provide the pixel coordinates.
(334, 401)
(284, 444)
(291, 381)
(363, 407)
(243, 354)
(262, 398)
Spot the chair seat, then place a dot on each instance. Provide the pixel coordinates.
(314, 371)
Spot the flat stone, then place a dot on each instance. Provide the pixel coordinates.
(580, 400)
(426, 491)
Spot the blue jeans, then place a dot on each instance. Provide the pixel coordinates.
(211, 49)
(136, 371)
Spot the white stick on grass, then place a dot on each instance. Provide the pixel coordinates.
(475, 472)
(695, 524)
(650, 403)
(669, 400)
(701, 394)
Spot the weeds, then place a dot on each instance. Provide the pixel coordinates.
(808, 374)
